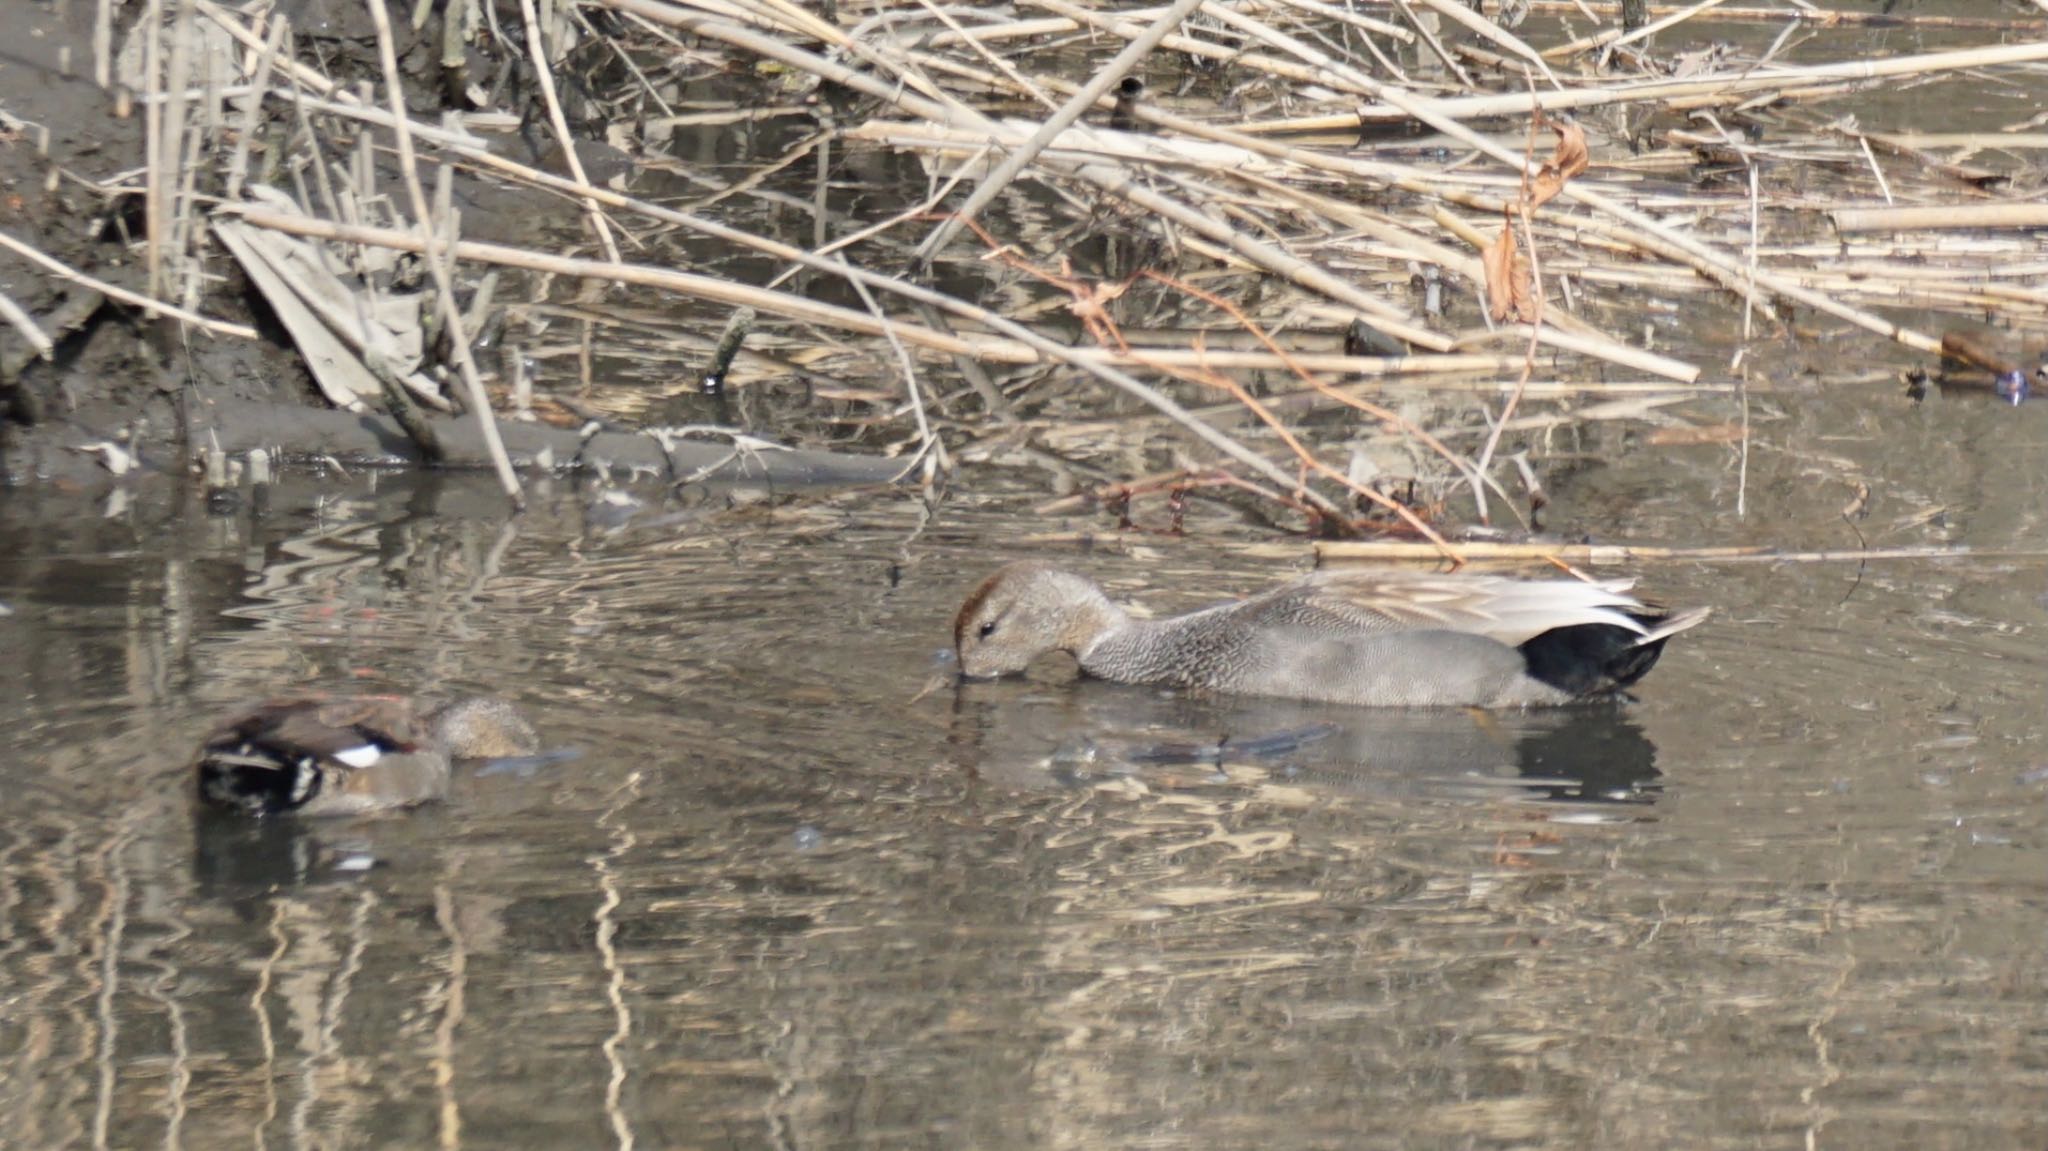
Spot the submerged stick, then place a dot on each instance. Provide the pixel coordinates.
(729, 341)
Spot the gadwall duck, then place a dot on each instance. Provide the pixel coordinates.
(351, 756)
(1382, 638)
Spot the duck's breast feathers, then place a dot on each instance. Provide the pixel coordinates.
(1510, 611)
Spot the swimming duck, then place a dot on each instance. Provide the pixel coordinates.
(1372, 637)
(351, 756)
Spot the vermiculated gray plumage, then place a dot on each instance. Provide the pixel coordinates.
(1375, 637)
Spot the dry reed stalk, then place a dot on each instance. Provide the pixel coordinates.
(537, 56)
(805, 310)
(1815, 15)
(1341, 15)
(1600, 555)
(1106, 177)
(1012, 30)
(103, 44)
(437, 266)
(25, 325)
(172, 153)
(133, 299)
(300, 74)
(1474, 22)
(1021, 156)
(154, 210)
(1971, 142)
(1929, 217)
(1718, 87)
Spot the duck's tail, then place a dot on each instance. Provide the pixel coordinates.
(1588, 661)
(260, 780)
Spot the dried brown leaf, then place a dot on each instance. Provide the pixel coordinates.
(1509, 294)
(1568, 160)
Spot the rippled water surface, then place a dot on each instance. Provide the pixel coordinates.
(1796, 892)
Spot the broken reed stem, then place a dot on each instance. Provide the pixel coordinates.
(252, 112)
(437, 263)
(1617, 36)
(1474, 22)
(1098, 365)
(1107, 177)
(1919, 217)
(173, 199)
(537, 55)
(1021, 347)
(1022, 156)
(1816, 15)
(25, 326)
(1718, 86)
(132, 299)
(154, 209)
(1286, 436)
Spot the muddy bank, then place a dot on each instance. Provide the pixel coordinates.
(93, 391)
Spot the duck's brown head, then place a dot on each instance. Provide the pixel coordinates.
(1022, 612)
(482, 727)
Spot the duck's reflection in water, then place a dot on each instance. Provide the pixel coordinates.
(1077, 734)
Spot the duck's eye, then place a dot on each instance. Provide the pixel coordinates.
(987, 629)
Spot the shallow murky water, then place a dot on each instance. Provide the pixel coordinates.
(1796, 891)
(1794, 894)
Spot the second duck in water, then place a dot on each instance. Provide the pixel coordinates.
(1373, 637)
(351, 756)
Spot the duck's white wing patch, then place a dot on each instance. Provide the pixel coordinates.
(359, 757)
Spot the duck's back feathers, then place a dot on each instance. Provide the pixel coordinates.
(1509, 611)
(1579, 639)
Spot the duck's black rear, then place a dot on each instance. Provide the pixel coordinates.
(1594, 659)
(257, 777)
